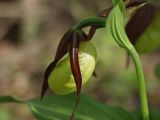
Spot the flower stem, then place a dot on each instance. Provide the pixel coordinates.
(89, 22)
(141, 84)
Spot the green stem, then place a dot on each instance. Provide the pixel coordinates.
(141, 84)
(89, 22)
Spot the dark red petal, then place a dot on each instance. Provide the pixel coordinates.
(74, 62)
(61, 51)
(139, 22)
(132, 3)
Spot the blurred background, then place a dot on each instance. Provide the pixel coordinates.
(30, 31)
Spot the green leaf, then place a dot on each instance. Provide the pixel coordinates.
(8, 99)
(56, 107)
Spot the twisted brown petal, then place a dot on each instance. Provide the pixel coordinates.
(92, 31)
(132, 3)
(139, 22)
(127, 3)
(74, 62)
(61, 51)
(64, 44)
